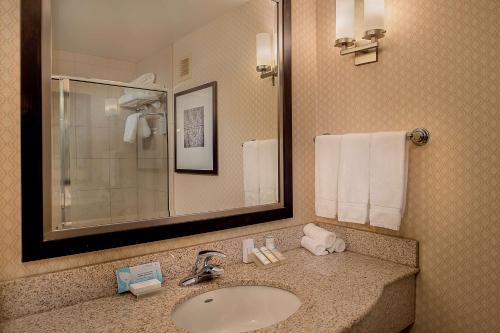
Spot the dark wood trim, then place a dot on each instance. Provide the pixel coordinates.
(215, 155)
(287, 106)
(34, 247)
(31, 129)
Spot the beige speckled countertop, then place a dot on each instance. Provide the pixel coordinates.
(337, 291)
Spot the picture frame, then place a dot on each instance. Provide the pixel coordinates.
(195, 135)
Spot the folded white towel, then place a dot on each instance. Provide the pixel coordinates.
(324, 237)
(251, 173)
(354, 178)
(145, 80)
(130, 133)
(313, 246)
(388, 176)
(139, 98)
(338, 246)
(268, 171)
(327, 156)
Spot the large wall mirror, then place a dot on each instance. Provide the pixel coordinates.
(147, 120)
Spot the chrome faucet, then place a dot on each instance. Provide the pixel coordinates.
(203, 270)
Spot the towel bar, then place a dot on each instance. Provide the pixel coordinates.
(419, 136)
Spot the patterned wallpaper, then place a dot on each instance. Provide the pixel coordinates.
(10, 216)
(438, 69)
(246, 105)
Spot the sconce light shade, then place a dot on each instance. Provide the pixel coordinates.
(374, 16)
(264, 49)
(111, 107)
(344, 20)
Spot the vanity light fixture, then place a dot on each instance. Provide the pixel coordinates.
(265, 64)
(364, 51)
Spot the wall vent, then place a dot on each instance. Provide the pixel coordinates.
(184, 68)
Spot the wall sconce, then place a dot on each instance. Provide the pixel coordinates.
(364, 52)
(265, 55)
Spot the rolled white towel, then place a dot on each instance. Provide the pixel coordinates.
(313, 246)
(324, 237)
(338, 246)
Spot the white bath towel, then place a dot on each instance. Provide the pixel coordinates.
(313, 246)
(268, 171)
(388, 177)
(326, 170)
(338, 246)
(354, 178)
(251, 173)
(324, 237)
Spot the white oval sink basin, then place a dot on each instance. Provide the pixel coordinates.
(235, 309)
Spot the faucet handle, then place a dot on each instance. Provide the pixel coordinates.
(210, 253)
(204, 257)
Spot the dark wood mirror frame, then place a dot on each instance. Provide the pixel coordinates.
(34, 246)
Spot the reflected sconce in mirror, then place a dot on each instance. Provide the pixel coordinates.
(365, 51)
(111, 107)
(265, 56)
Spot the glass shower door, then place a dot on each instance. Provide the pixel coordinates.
(109, 153)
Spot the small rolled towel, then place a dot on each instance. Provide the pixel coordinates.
(313, 246)
(338, 246)
(322, 236)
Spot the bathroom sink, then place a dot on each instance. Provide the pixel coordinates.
(235, 309)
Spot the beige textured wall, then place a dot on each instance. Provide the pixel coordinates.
(10, 214)
(247, 106)
(89, 66)
(438, 69)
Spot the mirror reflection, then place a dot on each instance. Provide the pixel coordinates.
(162, 108)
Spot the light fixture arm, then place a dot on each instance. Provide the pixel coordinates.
(268, 71)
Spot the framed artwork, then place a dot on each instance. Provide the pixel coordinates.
(195, 119)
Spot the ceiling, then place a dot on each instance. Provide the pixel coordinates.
(129, 30)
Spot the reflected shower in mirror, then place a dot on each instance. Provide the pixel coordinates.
(163, 109)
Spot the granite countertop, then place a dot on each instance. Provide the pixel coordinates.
(336, 292)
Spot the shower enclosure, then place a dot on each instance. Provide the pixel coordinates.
(109, 153)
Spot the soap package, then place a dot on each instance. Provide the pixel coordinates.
(128, 275)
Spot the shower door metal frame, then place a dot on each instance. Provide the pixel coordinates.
(39, 241)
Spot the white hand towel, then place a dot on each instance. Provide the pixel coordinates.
(327, 156)
(354, 178)
(388, 176)
(338, 246)
(130, 132)
(251, 173)
(268, 171)
(324, 237)
(313, 246)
